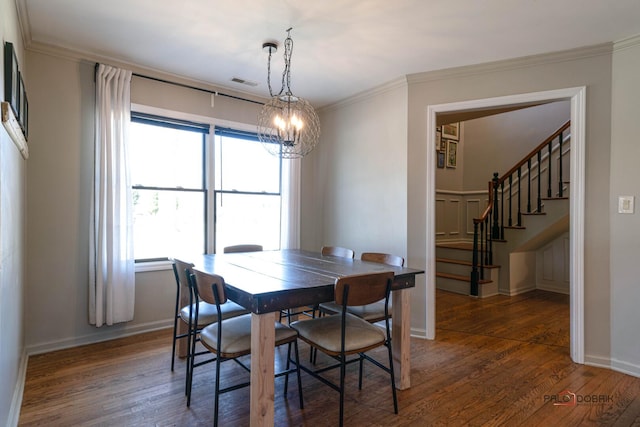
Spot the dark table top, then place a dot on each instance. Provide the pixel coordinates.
(269, 281)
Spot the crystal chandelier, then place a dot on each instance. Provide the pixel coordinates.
(288, 126)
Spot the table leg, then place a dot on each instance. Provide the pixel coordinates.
(262, 369)
(401, 336)
(181, 347)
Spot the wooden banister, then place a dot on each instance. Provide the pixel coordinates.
(482, 242)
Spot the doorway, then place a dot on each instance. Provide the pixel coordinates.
(576, 96)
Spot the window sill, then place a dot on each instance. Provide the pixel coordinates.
(153, 266)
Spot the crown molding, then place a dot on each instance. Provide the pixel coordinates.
(515, 63)
(400, 82)
(629, 42)
(91, 57)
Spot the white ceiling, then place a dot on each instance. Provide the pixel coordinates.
(341, 47)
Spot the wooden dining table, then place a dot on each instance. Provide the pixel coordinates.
(266, 282)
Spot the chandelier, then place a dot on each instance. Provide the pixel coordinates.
(288, 126)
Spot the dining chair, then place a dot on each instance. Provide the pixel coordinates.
(342, 335)
(230, 339)
(242, 248)
(310, 311)
(371, 312)
(196, 315)
(337, 251)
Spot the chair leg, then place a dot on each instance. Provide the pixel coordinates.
(393, 379)
(295, 344)
(173, 349)
(191, 360)
(342, 374)
(286, 376)
(217, 396)
(361, 371)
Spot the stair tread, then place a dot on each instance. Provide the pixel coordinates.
(555, 198)
(465, 246)
(462, 262)
(515, 227)
(461, 278)
(534, 213)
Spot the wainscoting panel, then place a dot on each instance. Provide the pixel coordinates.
(441, 229)
(453, 217)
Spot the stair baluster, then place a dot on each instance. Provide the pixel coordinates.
(560, 166)
(510, 197)
(549, 162)
(495, 232)
(529, 186)
(490, 225)
(519, 223)
(502, 210)
(539, 198)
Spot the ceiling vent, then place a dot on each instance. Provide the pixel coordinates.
(244, 82)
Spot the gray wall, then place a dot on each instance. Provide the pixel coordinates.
(12, 241)
(359, 199)
(625, 228)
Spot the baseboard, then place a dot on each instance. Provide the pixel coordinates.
(625, 367)
(597, 361)
(18, 391)
(107, 335)
(419, 333)
(552, 288)
(517, 291)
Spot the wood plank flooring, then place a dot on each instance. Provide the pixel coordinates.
(495, 361)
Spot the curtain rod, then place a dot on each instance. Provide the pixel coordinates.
(213, 92)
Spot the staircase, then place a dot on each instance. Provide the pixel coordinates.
(453, 269)
(499, 257)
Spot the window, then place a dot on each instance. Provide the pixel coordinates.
(247, 191)
(197, 191)
(169, 187)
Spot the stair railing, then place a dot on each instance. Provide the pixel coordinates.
(491, 224)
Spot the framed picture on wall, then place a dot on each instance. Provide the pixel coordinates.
(438, 140)
(451, 131)
(11, 79)
(441, 155)
(452, 154)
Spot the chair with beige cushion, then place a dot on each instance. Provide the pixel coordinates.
(196, 315)
(342, 335)
(371, 312)
(231, 338)
(242, 248)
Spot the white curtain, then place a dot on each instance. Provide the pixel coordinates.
(290, 208)
(111, 270)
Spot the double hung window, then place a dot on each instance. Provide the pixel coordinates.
(198, 188)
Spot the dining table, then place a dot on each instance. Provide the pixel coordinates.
(267, 282)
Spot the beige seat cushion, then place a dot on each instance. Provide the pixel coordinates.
(324, 332)
(370, 312)
(236, 336)
(208, 314)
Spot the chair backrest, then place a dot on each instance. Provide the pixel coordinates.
(242, 248)
(180, 269)
(382, 258)
(204, 283)
(338, 251)
(363, 289)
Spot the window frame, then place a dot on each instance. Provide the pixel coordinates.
(209, 171)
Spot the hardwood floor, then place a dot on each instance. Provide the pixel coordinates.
(495, 361)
